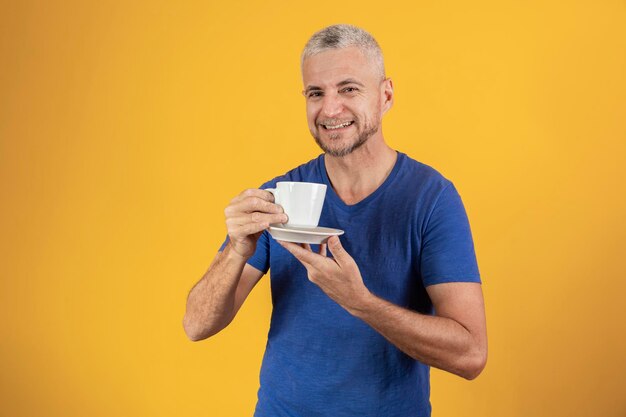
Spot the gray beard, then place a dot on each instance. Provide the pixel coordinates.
(362, 138)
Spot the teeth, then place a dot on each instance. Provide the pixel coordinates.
(338, 126)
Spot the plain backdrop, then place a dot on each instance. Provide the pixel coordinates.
(127, 126)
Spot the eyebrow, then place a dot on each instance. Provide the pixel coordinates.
(339, 84)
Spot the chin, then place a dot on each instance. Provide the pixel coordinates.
(341, 150)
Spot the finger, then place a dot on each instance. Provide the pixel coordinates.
(258, 217)
(253, 192)
(252, 204)
(255, 218)
(322, 250)
(339, 253)
(307, 247)
(248, 229)
(305, 256)
(290, 248)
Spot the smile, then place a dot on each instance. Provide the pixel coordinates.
(333, 127)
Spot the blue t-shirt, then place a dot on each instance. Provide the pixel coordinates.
(410, 233)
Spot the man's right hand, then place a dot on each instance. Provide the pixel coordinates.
(247, 216)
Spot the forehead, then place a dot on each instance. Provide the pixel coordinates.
(335, 65)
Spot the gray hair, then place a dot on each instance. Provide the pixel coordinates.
(344, 36)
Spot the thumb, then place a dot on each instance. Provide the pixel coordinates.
(339, 253)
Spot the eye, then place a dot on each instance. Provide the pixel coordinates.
(313, 94)
(349, 90)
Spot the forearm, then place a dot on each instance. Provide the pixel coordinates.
(436, 341)
(211, 301)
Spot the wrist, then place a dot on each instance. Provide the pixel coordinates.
(231, 254)
(363, 305)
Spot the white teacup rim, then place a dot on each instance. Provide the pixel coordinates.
(299, 182)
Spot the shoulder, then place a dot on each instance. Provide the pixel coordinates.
(306, 172)
(420, 179)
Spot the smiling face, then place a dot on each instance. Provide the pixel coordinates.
(345, 99)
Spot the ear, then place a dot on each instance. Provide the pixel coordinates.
(387, 94)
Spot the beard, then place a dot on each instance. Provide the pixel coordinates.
(362, 137)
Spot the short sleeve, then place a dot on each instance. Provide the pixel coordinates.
(448, 248)
(261, 258)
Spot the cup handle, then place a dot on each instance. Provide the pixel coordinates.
(274, 192)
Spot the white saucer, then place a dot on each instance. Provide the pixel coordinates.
(313, 235)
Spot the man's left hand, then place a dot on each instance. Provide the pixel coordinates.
(339, 278)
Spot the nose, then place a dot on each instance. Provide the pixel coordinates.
(332, 105)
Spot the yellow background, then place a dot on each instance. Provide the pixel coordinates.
(126, 127)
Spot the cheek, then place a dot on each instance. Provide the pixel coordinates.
(311, 114)
(373, 112)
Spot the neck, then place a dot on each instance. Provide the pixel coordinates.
(355, 176)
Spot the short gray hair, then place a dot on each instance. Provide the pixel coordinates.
(344, 36)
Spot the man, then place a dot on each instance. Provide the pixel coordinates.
(353, 334)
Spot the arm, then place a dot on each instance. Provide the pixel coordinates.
(454, 340)
(214, 301)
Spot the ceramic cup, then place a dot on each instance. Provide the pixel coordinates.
(302, 202)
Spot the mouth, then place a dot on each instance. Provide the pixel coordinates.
(337, 126)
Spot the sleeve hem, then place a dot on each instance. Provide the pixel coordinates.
(258, 265)
(444, 280)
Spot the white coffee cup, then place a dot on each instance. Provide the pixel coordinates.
(302, 202)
